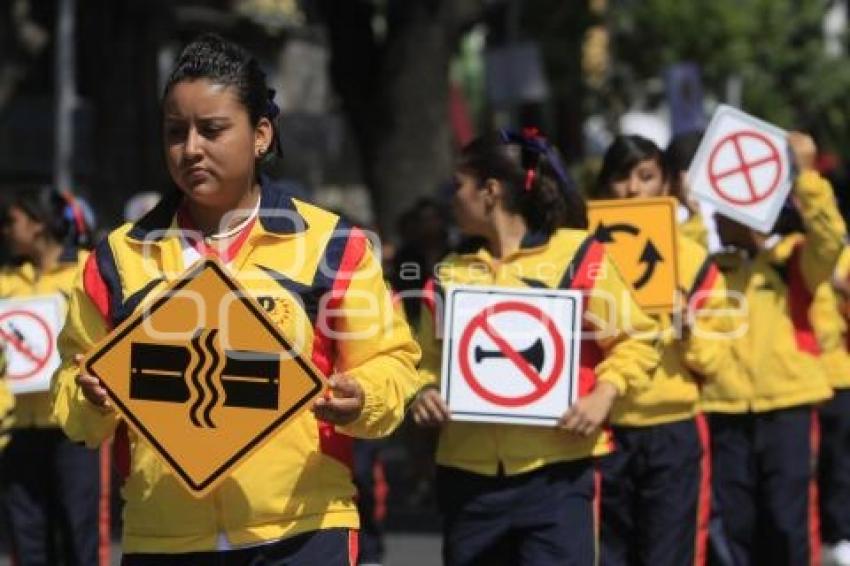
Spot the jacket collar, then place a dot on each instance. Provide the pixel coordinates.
(278, 214)
(531, 240)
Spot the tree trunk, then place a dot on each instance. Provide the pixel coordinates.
(396, 96)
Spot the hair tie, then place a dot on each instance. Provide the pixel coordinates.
(530, 139)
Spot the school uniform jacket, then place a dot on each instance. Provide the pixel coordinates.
(313, 274)
(691, 353)
(622, 352)
(21, 282)
(831, 327)
(777, 351)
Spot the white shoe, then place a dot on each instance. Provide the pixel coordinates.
(841, 553)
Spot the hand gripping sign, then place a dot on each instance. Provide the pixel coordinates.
(28, 331)
(742, 168)
(204, 375)
(510, 355)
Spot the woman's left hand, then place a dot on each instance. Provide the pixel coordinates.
(589, 412)
(342, 403)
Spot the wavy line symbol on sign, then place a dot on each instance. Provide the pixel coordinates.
(204, 376)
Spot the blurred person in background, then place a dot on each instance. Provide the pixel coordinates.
(140, 204)
(53, 485)
(762, 416)
(656, 484)
(830, 315)
(677, 157)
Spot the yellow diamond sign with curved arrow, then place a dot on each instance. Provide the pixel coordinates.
(640, 236)
(204, 375)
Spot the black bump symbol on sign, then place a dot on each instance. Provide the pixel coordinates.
(158, 372)
(534, 354)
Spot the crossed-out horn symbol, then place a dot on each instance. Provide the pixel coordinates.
(534, 354)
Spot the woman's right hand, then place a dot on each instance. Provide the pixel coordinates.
(429, 409)
(93, 391)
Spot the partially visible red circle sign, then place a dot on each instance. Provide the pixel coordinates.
(38, 359)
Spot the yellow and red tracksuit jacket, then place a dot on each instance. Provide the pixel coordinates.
(312, 274)
(694, 229)
(831, 331)
(778, 354)
(569, 259)
(689, 355)
(20, 282)
(828, 314)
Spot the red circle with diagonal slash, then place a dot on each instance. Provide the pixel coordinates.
(542, 385)
(15, 342)
(745, 167)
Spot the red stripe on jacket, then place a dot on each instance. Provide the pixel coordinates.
(97, 291)
(331, 443)
(700, 292)
(584, 279)
(799, 300)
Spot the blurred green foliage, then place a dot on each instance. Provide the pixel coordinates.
(776, 47)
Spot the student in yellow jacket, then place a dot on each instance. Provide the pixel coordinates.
(829, 315)
(655, 486)
(52, 484)
(762, 414)
(523, 494)
(291, 501)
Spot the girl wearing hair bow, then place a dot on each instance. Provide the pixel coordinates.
(513, 494)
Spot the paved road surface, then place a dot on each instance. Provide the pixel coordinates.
(415, 549)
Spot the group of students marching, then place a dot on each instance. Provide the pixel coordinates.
(677, 431)
(712, 428)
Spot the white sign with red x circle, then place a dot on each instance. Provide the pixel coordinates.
(511, 355)
(742, 168)
(28, 332)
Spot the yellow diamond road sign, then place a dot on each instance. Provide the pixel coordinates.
(640, 236)
(204, 375)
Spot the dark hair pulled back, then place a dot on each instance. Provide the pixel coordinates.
(61, 214)
(535, 186)
(225, 63)
(623, 154)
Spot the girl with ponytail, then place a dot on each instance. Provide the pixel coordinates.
(513, 494)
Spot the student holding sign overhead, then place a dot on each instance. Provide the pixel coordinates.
(655, 486)
(51, 483)
(291, 501)
(513, 494)
(764, 443)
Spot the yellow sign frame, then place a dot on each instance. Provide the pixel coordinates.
(657, 294)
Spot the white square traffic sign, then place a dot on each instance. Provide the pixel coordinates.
(742, 168)
(511, 355)
(28, 332)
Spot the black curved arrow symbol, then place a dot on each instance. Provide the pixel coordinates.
(605, 234)
(651, 257)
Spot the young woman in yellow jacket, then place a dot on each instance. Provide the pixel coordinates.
(52, 484)
(655, 486)
(513, 494)
(762, 413)
(292, 500)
